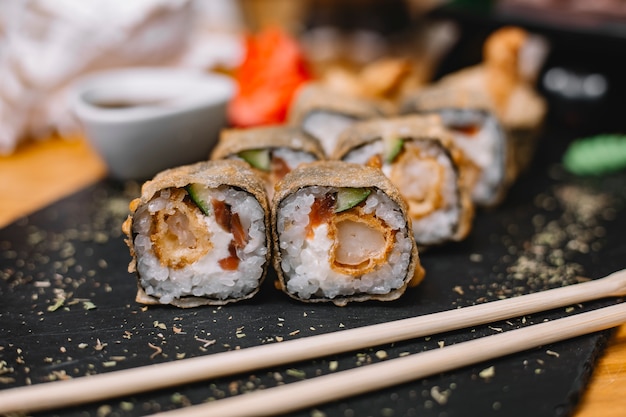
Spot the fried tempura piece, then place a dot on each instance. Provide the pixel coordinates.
(501, 53)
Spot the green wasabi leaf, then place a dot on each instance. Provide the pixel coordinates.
(596, 155)
(196, 192)
(350, 197)
(392, 149)
(258, 158)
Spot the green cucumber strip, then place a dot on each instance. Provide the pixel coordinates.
(392, 149)
(196, 192)
(258, 158)
(350, 197)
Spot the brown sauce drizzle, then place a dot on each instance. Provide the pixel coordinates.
(230, 222)
(322, 211)
(279, 168)
(469, 129)
(231, 263)
(222, 214)
(240, 238)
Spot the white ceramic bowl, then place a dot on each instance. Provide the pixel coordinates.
(144, 120)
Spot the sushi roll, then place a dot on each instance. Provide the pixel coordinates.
(341, 234)
(417, 154)
(199, 235)
(324, 114)
(494, 111)
(477, 132)
(271, 151)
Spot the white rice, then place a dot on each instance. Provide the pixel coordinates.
(486, 149)
(305, 263)
(204, 278)
(441, 224)
(326, 127)
(293, 158)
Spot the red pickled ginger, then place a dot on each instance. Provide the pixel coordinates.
(273, 69)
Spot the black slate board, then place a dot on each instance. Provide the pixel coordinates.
(550, 225)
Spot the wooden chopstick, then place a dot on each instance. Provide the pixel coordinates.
(83, 390)
(332, 387)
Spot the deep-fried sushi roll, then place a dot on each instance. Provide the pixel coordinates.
(417, 154)
(272, 151)
(477, 132)
(493, 109)
(324, 114)
(199, 235)
(341, 234)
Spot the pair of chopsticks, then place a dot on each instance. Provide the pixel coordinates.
(307, 393)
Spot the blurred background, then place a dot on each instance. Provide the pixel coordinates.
(376, 48)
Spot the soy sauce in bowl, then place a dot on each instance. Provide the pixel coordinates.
(144, 120)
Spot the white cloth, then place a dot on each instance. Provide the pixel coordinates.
(46, 44)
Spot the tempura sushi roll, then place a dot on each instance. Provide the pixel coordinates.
(324, 114)
(417, 154)
(199, 235)
(477, 132)
(272, 151)
(341, 234)
(493, 109)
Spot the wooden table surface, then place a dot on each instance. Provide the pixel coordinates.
(39, 173)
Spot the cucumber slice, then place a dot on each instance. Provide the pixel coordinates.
(392, 149)
(350, 197)
(258, 158)
(197, 193)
